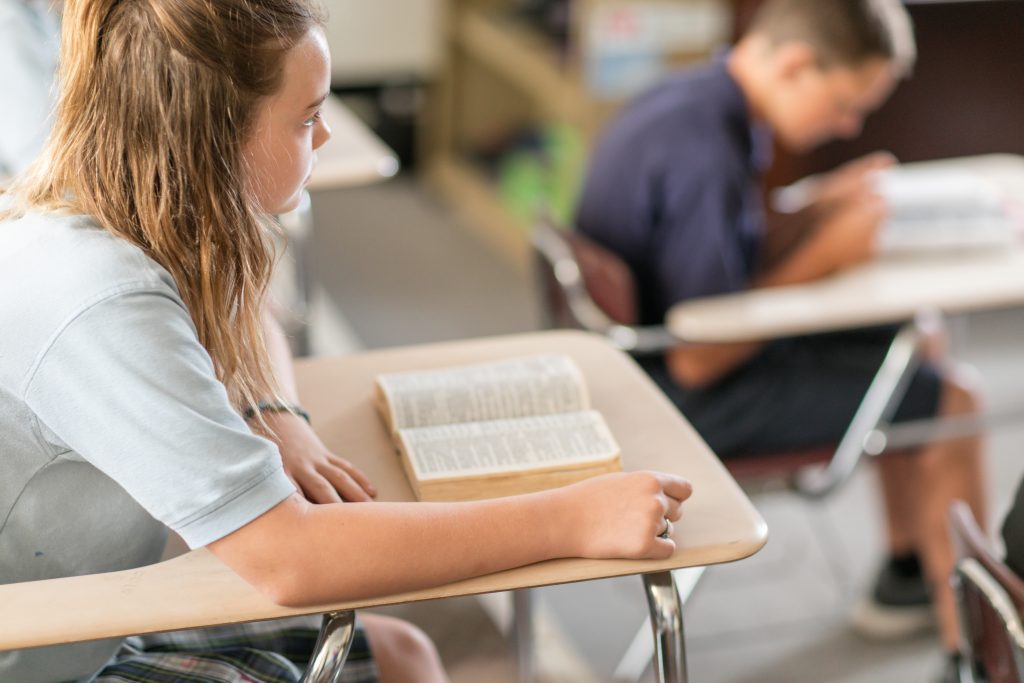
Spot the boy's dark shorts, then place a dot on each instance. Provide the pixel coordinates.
(797, 393)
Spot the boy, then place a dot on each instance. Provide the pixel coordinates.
(673, 189)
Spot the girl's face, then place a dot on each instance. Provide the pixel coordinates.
(279, 153)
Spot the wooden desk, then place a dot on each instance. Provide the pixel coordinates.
(887, 290)
(195, 590)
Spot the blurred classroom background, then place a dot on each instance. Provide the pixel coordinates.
(491, 107)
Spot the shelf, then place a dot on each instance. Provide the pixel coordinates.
(501, 72)
(527, 60)
(482, 212)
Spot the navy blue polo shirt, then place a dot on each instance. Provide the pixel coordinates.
(672, 188)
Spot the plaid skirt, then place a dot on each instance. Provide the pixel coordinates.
(258, 652)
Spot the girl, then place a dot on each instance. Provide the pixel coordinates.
(133, 264)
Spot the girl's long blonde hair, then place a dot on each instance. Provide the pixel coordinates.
(157, 98)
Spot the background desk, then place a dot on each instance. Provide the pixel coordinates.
(719, 523)
(886, 290)
(353, 155)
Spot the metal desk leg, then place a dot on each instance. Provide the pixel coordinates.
(522, 634)
(667, 624)
(878, 405)
(638, 656)
(332, 648)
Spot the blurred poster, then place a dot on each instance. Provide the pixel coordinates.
(629, 46)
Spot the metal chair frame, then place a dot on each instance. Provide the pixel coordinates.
(989, 600)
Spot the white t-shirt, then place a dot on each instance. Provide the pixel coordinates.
(113, 425)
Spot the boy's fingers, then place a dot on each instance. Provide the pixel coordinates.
(875, 161)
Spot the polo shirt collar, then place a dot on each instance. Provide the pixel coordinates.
(755, 136)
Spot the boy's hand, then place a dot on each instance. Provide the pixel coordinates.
(850, 181)
(847, 236)
(318, 474)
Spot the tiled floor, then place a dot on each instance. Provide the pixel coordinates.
(394, 264)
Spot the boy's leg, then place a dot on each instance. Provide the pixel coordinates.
(896, 474)
(942, 472)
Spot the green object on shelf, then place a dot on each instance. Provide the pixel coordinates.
(545, 176)
(566, 154)
(522, 185)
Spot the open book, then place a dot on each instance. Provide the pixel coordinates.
(931, 209)
(942, 209)
(495, 429)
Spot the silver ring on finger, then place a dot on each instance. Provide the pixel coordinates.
(667, 531)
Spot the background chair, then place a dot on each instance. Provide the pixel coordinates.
(990, 597)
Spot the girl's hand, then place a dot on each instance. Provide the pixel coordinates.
(621, 515)
(318, 474)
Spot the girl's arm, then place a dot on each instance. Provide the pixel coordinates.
(321, 476)
(301, 554)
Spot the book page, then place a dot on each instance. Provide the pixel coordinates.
(934, 209)
(518, 387)
(507, 446)
(929, 209)
(934, 191)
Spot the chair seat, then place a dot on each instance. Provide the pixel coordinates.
(777, 463)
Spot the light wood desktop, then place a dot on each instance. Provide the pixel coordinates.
(719, 522)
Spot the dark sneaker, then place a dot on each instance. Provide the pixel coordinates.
(954, 670)
(899, 606)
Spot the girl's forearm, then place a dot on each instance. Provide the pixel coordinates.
(302, 554)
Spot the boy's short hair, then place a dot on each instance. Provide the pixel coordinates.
(844, 33)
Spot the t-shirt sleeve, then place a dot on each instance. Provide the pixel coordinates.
(128, 387)
(700, 250)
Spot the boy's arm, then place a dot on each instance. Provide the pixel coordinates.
(829, 196)
(784, 232)
(845, 237)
